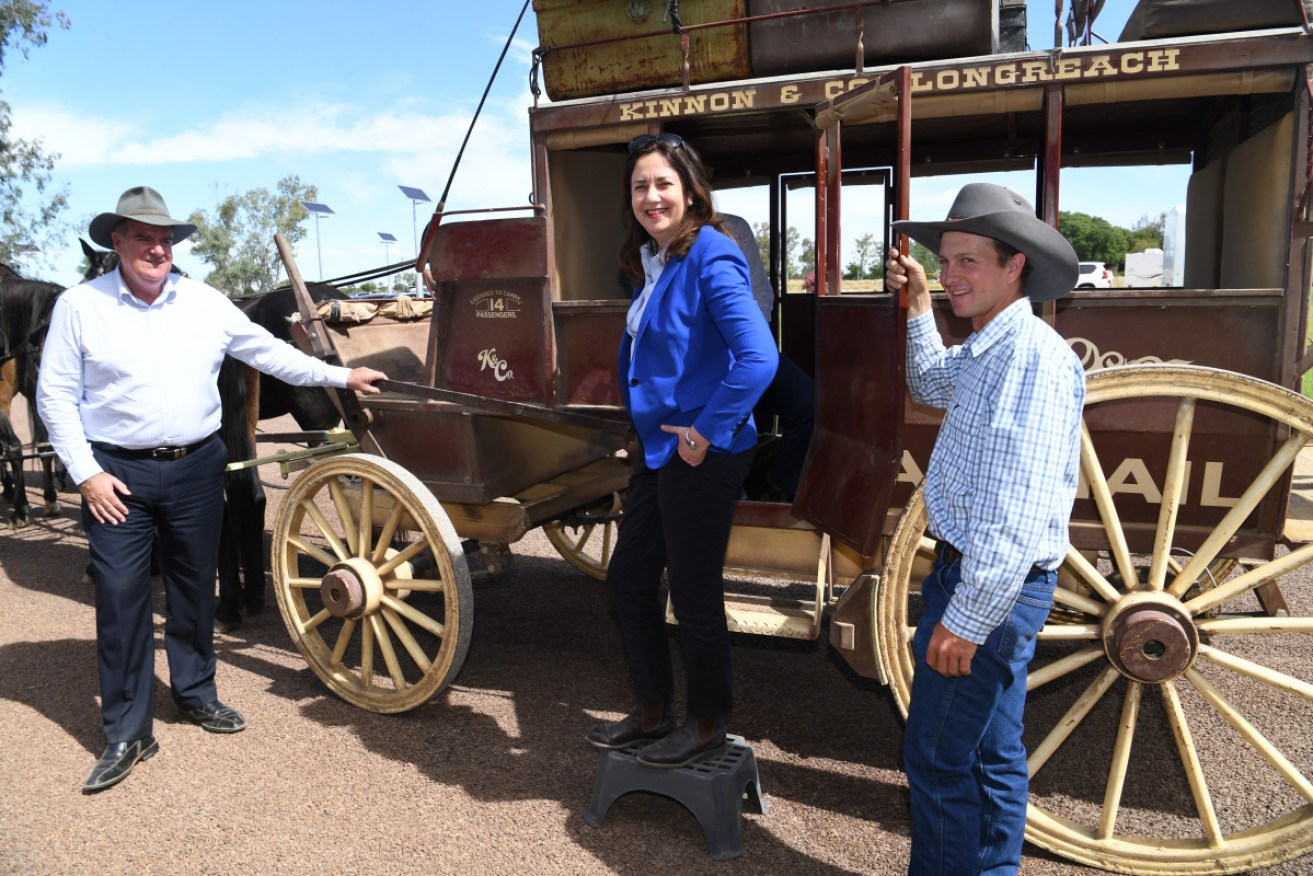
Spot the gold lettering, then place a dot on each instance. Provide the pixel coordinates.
(629, 112)
(856, 81)
(1068, 68)
(1132, 477)
(1163, 59)
(833, 89)
(919, 82)
(695, 103)
(1133, 62)
(790, 94)
(1036, 71)
(1100, 65)
(946, 80)
(976, 77)
(1005, 74)
(651, 108)
(745, 98)
(670, 106)
(719, 101)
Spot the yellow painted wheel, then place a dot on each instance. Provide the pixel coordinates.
(1167, 721)
(586, 537)
(372, 582)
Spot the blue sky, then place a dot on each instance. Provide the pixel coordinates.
(202, 101)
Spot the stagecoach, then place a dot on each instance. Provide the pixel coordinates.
(1173, 677)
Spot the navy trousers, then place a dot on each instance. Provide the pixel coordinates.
(181, 501)
(678, 519)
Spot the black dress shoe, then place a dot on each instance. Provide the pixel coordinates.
(117, 761)
(683, 747)
(215, 717)
(627, 731)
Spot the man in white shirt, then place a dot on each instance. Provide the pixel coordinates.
(128, 389)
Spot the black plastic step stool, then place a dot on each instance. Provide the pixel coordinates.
(712, 788)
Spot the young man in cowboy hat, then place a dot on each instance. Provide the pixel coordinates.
(999, 492)
(128, 388)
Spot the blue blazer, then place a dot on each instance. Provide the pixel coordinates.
(703, 354)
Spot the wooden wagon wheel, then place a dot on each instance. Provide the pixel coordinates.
(1140, 747)
(587, 537)
(366, 566)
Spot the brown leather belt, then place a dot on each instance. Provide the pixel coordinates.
(166, 453)
(947, 555)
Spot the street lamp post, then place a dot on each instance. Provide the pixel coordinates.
(319, 210)
(388, 240)
(417, 197)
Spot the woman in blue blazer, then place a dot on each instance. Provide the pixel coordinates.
(696, 356)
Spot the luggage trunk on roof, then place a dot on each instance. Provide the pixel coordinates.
(655, 61)
(918, 30)
(1156, 19)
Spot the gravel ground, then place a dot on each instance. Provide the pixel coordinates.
(492, 776)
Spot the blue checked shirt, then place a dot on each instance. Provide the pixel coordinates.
(1002, 477)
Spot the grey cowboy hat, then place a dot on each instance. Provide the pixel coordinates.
(143, 204)
(994, 211)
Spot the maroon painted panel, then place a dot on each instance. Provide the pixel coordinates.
(490, 248)
(587, 344)
(848, 479)
(493, 341)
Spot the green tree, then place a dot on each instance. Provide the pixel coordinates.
(929, 260)
(761, 231)
(867, 256)
(238, 240)
(1147, 234)
(1095, 239)
(30, 205)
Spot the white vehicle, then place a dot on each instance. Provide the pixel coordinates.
(1094, 275)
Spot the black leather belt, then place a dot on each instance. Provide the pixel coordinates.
(947, 555)
(166, 453)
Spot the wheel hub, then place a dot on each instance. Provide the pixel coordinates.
(1150, 637)
(351, 589)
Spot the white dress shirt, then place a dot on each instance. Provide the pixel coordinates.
(117, 371)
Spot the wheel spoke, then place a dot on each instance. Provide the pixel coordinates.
(1252, 735)
(1121, 758)
(314, 551)
(315, 620)
(1112, 525)
(1255, 625)
(407, 640)
(343, 640)
(1071, 599)
(1058, 668)
(1173, 487)
(1069, 632)
(326, 530)
(1194, 771)
(1257, 671)
(428, 585)
(366, 656)
(1070, 721)
(389, 655)
(1255, 577)
(389, 530)
(344, 514)
(306, 583)
(405, 556)
(1091, 576)
(1280, 462)
(363, 544)
(414, 615)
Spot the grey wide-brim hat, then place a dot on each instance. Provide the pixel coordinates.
(994, 211)
(142, 204)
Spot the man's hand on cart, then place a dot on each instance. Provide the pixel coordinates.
(902, 270)
(363, 379)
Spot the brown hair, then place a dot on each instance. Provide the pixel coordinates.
(697, 185)
(1006, 251)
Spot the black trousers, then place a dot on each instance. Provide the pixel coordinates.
(678, 518)
(181, 501)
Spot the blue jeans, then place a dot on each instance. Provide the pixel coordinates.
(962, 748)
